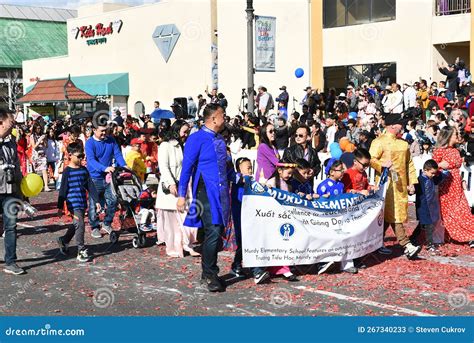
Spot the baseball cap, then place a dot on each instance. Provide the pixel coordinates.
(307, 88)
(283, 88)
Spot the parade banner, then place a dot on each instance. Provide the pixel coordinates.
(265, 30)
(281, 228)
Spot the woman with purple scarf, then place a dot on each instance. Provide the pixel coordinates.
(267, 153)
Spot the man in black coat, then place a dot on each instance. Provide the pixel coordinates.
(303, 149)
(281, 134)
(451, 79)
(284, 97)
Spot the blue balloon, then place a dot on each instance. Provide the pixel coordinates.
(299, 72)
(335, 150)
(352, 115)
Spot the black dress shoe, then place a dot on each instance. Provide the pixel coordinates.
(213, 283)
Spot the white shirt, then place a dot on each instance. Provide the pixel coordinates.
(330, 133)
(409, 97)
(263, 102)
(20, 117)
(396, 102)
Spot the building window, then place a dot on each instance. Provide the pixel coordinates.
(383, 10)
(446, 7)
(358, 11)
(380, 74)
(338, 13)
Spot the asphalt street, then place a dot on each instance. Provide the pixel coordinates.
(122, 280)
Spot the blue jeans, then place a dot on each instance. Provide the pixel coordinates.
(104, 191)
(212, 236)
(10, 207)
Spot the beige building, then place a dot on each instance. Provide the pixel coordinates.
(202, 43)
(393, 40)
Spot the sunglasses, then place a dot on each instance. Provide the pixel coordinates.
(300, 136)
(271, 131)
(80, 156)
(338, 170)
(365, 165)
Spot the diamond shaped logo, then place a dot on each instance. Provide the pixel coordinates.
(165, 38)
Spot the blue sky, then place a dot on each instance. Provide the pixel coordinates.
(71, 4)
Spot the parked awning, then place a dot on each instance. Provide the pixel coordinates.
(103, 84)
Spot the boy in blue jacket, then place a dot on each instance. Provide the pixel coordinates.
(427, 202)
(75, 182)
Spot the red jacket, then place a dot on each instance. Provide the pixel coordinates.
(440, 101)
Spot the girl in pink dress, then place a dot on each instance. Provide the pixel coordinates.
(280, 180)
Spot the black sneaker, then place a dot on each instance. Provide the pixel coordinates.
(238, 271)
(63, 248)
(83, 256)
(13, 269)
(471, 244)
(431, 248)
(213, 283)
(291, 278)
(261, 277)
(327, 267)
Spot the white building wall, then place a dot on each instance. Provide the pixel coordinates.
(292, 48)
(133, 50)
(408, 41)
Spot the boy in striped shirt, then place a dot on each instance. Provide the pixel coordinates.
(75, 183)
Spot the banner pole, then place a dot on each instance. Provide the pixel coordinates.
(250, 62)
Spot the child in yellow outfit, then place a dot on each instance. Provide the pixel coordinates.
(135, 159)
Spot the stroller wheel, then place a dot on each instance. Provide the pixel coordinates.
(114, 236)
(135, 242)
(141, 240)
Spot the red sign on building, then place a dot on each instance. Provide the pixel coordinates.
(98, 30)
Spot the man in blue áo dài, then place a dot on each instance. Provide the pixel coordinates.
(205, 163)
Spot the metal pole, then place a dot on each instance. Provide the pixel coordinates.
(10, 94)
(250, 68)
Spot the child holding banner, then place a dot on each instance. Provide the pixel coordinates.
(330, 187)
(243, 169)
(301, 182)
(355, 181)
(281, 180)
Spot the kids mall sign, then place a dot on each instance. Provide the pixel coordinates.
(98, 33)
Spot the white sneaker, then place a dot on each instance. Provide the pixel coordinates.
(96, 233)
(107, 228)
(411, 251)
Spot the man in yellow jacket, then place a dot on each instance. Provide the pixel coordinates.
(135, 159)
(390, 151)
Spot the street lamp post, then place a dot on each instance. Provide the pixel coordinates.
(250, 68)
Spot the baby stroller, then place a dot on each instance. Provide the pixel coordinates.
(126, 186)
